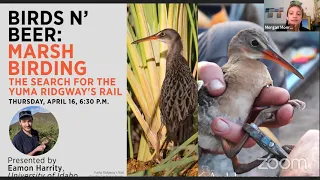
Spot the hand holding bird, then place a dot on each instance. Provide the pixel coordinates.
(246, 77)
(212, 75)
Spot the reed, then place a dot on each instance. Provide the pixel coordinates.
(146, 66)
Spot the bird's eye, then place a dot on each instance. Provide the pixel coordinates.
(162, 34)
(254, 43)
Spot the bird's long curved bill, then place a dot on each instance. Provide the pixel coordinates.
(273, 56)
(153, 37)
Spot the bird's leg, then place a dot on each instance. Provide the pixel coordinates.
(263, 116)
(233, 151)
(159, 136)
(164, 148)
(297, 104)
(243, 168)
(266, 115)
(288, 148)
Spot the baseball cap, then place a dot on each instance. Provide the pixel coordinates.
(24, 114)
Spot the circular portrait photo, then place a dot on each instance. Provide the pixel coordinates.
(33, 131)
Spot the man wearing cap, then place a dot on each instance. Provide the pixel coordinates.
(27, 140)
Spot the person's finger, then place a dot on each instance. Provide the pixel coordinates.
(272, 96)
(212, 76)
(230, 131)
(283, 117)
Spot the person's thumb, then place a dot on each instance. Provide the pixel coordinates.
(212, 76)
(230, 131)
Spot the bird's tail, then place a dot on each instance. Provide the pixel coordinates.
(186, 130)
(180, 134)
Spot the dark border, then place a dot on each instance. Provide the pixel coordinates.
(158, 178)
(131, 1)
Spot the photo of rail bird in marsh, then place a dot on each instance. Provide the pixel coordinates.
(162, 90)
